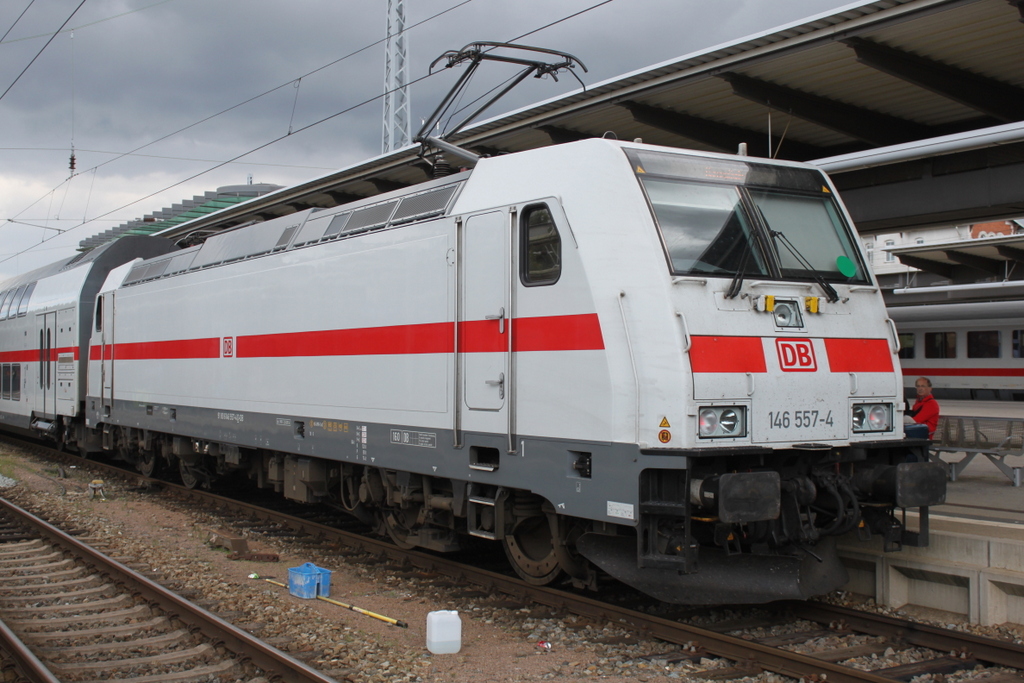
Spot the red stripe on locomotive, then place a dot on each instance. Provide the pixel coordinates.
(727, 354)
(549, 333)
(859, 355)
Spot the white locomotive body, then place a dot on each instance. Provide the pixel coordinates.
(671, 365)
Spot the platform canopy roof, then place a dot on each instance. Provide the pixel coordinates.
(868, 76)
(987, 256)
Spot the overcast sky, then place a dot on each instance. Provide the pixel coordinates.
(127, 75)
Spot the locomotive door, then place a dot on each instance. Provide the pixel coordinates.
(46, 396)
(105, 323)
(485, 328)
(64, 376)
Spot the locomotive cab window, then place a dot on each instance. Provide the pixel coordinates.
(704, 228)
(99, 314)
(541, 252)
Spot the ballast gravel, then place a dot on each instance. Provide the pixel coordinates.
(503, 640)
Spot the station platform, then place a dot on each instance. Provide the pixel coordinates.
(974, 563)
(982, 493)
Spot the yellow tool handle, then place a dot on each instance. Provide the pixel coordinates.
(395, 622)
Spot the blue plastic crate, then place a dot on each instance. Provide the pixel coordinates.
(308, 581)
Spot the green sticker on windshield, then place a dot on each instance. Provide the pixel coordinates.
(846, 266)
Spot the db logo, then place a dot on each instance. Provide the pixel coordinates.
(796, 355)
(227, 347)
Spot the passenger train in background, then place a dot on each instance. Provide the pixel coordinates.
(671, 366)
(971, 350)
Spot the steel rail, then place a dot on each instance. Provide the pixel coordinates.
(1002, 653)
(25, 661)
(271, 660)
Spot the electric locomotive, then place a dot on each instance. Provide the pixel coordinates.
(671, 366)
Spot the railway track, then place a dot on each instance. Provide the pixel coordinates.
(860, 634)
(70, 613)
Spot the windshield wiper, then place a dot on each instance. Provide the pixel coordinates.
(737, 281)
(830, 292)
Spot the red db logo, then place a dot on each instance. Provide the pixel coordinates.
(796, 355)
(227, 347)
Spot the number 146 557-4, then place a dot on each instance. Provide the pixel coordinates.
(800, 419)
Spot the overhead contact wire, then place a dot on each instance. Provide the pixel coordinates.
(29, 65)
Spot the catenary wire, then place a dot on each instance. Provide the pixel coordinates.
(18, 78)
(16, 21)
(75, 28)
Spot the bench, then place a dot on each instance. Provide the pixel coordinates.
(995, 438)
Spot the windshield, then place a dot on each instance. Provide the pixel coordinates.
(704, 227)
(747, 219)
(812, 223)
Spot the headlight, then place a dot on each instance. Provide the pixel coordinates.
(722, 422)
(708, 422)
(787, 314)
(872, 417)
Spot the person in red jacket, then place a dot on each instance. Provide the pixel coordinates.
(926, 408)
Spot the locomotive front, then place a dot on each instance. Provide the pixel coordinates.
(793, 433)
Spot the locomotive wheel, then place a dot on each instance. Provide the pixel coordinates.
(399, 524)
(188, 475)
(530, 549)
(149, 464)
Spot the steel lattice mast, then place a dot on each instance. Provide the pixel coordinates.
(397, 124)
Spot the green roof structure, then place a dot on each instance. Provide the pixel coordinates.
(187, 210)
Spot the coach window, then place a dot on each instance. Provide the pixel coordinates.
(16, 301)
(6, 305)
(1018, 343)
(541, 251)
(907, 345)
(16, 382)
(99, 314)
(5, 383)
(940, 345)
(983, 344)
(23, 306)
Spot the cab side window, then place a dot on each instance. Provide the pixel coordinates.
(541, 247)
